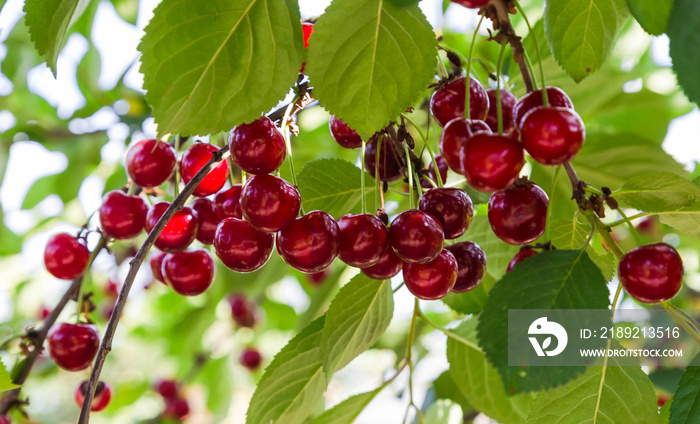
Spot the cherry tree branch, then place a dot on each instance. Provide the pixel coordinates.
(499, 12)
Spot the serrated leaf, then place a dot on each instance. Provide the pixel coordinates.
(581, 33)
(572, 235)
(356, 318)
(369, 60)
(658, 192)
(346, 411)
(686, 401)
(211, 65)
(652, 15)
(293, 382)
(558, 279)
(665, 412)
(5, 379)
(685, 220)
(684, 38)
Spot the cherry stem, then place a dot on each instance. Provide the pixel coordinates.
(552, 191)
(467, 80)
(501, 18)
(499, 106)
(622, 221)
(176, 187)
(633, 230)
(362, 178)
(686, 321)
(530, 69)
(129, 192)
(379, 196)
(545, 99)
(231, 177)
(102, 243)
(410, 175)
(604, 232)
(442, 68)
(438, 177)
(409, 349)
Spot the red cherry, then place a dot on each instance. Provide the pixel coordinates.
(432, 280)
(447, 102)
(648, 226)
(388, 266)
(416, 236)
(310, 243)
(112, 289)
(363, 239)
(556, 97)
(242, 247)
(507, 104)
(194, 159)
(156, 263)
(44, 312)
(122, 216)
(167, 388)
(251, 358)
(150, 162)
(343, 134)
(307, 28)
(103, 394)
(552, 135)
(206, 220)
(454, 137)
(65, 256)
(389, 166)
(523, 254)
(243, 311)
(317, 278)
(442, 167)
(188, 273)
(451, 206)
(176, 408)
(178, 233)
(472, 4)
(652, 273)
(4, 419)
(518, 215)
(492, 161)
(227, 203)
(73, 346)
(269, 203)
(471, 265)
(258, 147)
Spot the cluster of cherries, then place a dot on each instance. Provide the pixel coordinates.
(176, 406)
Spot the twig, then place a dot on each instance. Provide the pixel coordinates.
(499, 12)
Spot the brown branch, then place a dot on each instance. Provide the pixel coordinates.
(499, 12)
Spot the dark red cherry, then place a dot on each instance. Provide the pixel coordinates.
(388, 266)
(65, 256)
(178, 233)
(103, 394)
(523, 254)
(552, 135)
(451, 206)
(416, 236)
(492, 161)
(242, 247)
(447, 102)
(471, 265)
(343, 134)
(518, 215)
(122, 216)
(243, 311)
(167, 388)
(227, 204)
(556, 97)
(362, 240)
(189, 273)
(442, 167)
(150, 162)
(156, 263)
(206, 219)
(194, 159)
(251, 358)
(73, 346)
(454, 137)
(269, 203)
(176, 408)
(310, 243)
(307, 28)
(472, 4)
(389, 166)
(652, 273)
(432, 280)
(507, 104)
(258, 147)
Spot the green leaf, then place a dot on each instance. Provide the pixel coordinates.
(5, 379)
(356, 318)
(581, 33)
(369, 60)
(684, 36)
(652, 15)
(685, 220)
(48, 23)
(686, 401)
(346, 411)
(558, 279)
(293, 382)
(446, 388)
(572, 235)
(665, 412)
(332, 185)
(444, 412)
(211, 65)
(479, 381)
(658, 192)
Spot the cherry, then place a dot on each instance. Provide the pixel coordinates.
(307, 28)
(112, 289)
(416, 236)
(507, 104)
(389, 166)
(178, 233)
(227, 203)
(492, 161)
(472, 4)
(251, 358)
(65, 256)
(44, 312)
(150, 162)
(310, 243)
(242, 247)
(317, 278)
(194, 159)
(652, 273)
(4, 419)
(103, 394)
(269, 203)
(452, 207)
(363, 239)
(523, 254)
(556, 97)
(73, 346)
(552, 135)
(343, 134)
(648, 226)
(388, 266)
(258, 147)
(156, 263)
(442, 167)
(447, 102)
(454, 137)
(176, 408)
(434, 279)
(167, 388)
(188, 273)
(471, 265)
(518, 215)
(243, 311)
(122, 216)
(206, 219)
